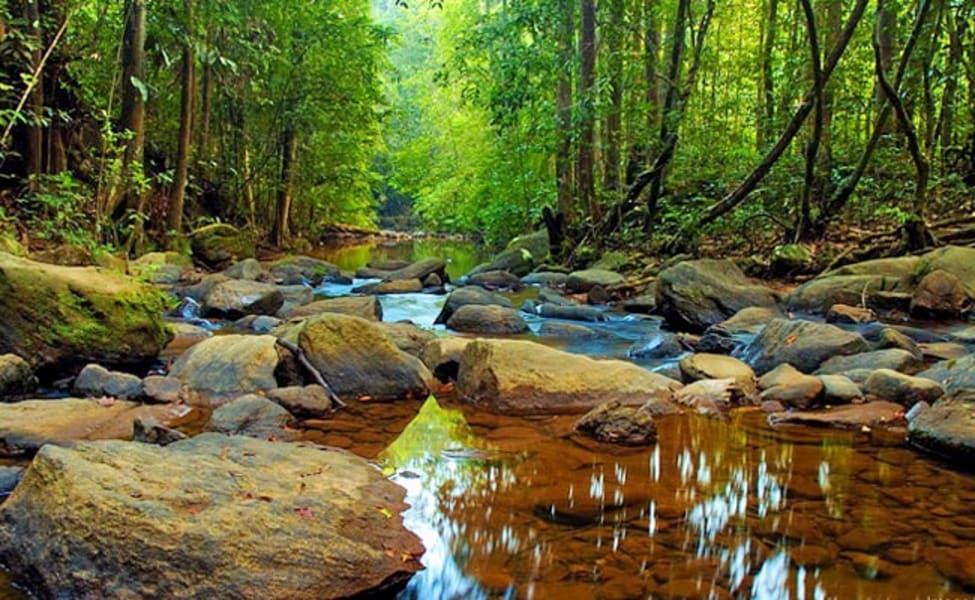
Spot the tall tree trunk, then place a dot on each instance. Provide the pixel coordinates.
(187, 101)
(833, 18)
(563, 157)
(641, 150)
(885, 32)
(585, 178)
(615, 38)
(133, 101)
(766, 94)
(289, 155)
(956, 25)
(812, 148)
(35, 136)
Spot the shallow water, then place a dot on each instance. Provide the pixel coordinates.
(521, 508)
(460, 256)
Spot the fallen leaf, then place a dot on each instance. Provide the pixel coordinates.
(791, 339)
(385, 512)
(304, 511)
(105, 401)
(364, 398)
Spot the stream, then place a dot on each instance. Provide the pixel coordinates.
(520, 507)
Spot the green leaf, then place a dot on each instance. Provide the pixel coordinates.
(141, 86)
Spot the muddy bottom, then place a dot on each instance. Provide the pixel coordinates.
(519, 507)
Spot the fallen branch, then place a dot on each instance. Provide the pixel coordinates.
(315, 373)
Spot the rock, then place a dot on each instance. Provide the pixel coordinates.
(958, 565)
(948, 427)
(894, 359)
(294, 295)
(213, 516)
(852, 315)
(495, 280)
(839, 389)
(717, 341)
(217, 246)
(943, 351)
(442, 356)
(957, 260)
(575, 312)
(869, 566)
(470, 295)
(248, 269)
(851, 416)
(432, 281)
(611, 261)
(897, 267)
(694, 295)
(234, 299)
(388, 265)
(545, 278)
(227, 366)
(150, 431)
(200, 289)
(551, 296)
(658, 345)
(940, 295)
(716, 366)
(257, 323)
(615, 423)
(420, 270)
(537, 244)
(16, 376)
(65, 255)
(358, 360)
(791, 388)
(308, 402)
(818, 295)
(400, 286)
(96, 381)
(9, 478)
(903, 389)
(803, 344)
(294, 270)
(408, 337)
(857, 376)
(643, 304)
(186, 335)
(517, 261)
(888, 337)
(160, 267)
(364, 307)
(496, 320)
(164, 390)
(57, 318)
(583, 281)
(556, 329)
(953, 375)
(26, 426)
(520, 377)
(713, 397)
(254, 416)
(750, 320)
(790, 259)
(9, 244)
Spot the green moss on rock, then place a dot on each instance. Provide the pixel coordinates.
(220, 244)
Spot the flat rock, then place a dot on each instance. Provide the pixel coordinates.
(948, 427)
(236, 298)
(364, 307)
(495, 280)
(903, 389)
(694, 295)
(790, 387)
(210, 517)
(399, 286)
(750, 320)
(803, 344)
(570, 312)
(26, 426)
(585, 280)
(615, 423)
(521, 377)
(893, 358)
(852, 416)
(850, 315)
(825, 291)
(545, 278)
(420, 270)
(717, 366)
(308, 402)
(496, 320)
(253, 416)
(953, 375)
(223, 367)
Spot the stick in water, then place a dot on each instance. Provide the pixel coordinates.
(319, 379)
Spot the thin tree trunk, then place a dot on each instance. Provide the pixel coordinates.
(585, 178)
(615, 38)
(641, 150)
(187, 100)
(563, 157)
(133, 102)
(733, 199)
(812, 148)
(766, 94)
(35, 136)
(289, 151)
(956, 26)
(885, 31)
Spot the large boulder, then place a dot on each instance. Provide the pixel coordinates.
(223, 367)
(537, 244)
(905, 390)
(521, 377)
(408, 337)
(493, 320)
(217, 246)
(517, 261)
(26, 426)
(16, 376)
(160, 267)
(940, 295)
(364, 307)
(470, 295)
(953, 375)
(948, 427)
(248, 269)
(957, 260)
(818, 295)
(57, 318)
(236, 298)
(357, 359)
(694, 295)
(96, 380)
(210, 517)
(803, 344)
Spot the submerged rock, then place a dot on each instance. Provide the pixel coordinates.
(694, 295)
(851, 416)
(221, 368)
(57, 318)
(26, 426)
(615, 423)
(803, 344)
(521, 377)
(948, 427)
(213, 516)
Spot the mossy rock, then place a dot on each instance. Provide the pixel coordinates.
(63, 317)
(537, 243)
(790, 258)
(10, 245)
(218, 245)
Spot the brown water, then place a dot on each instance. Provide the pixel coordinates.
(519, 507)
